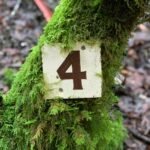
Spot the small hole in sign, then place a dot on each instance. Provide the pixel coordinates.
(83, 47)
(60, 90)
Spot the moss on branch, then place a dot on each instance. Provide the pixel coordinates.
(31, 122)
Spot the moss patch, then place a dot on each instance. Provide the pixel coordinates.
(31, 122)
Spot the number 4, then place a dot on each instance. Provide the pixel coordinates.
(76, 75)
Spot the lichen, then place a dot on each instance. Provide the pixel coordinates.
(31, 122)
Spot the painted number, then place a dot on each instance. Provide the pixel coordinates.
(76, 75)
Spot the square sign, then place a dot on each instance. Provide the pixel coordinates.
(72, 75)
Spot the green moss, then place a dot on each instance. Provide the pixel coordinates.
(31, 122)
(9, 75)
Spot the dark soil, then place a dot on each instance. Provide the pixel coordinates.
(19, 31)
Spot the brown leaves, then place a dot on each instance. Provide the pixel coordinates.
(18, 34)
(135, 103)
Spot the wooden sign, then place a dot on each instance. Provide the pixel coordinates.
(72, 75)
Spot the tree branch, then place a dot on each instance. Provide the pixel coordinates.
(47, 13)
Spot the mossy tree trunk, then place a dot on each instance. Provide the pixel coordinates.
(31, 122)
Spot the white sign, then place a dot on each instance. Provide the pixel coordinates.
(72, 75)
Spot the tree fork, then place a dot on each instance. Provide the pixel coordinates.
(29, 121)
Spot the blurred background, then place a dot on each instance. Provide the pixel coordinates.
(21, 24)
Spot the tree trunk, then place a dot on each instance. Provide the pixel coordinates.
(32, 122)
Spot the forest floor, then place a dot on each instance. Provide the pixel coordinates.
(20, 29)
